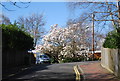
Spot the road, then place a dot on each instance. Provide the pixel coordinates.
(47, 72)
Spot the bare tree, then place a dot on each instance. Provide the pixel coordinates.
(4, 19)
(83, 27)
(19, 4)
(86, 31)
(34, 25)
(104, 11)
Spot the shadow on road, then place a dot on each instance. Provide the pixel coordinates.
(23, 72)
(42, 80)
(46, 72)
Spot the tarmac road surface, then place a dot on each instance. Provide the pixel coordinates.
(47, 72)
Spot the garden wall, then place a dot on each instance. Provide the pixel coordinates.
(110, 59)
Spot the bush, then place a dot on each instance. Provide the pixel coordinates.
(75, 59)
(52, 60)
(112, 40)
(14, 38)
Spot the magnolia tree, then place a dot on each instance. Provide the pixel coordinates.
(64, 42)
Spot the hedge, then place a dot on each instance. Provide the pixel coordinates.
(14, 38)
(75, 59)
(112, 40)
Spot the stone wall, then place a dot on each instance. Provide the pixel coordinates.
(110, 59)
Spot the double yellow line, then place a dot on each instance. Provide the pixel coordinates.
(77, 73)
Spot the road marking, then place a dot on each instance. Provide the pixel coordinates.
(11, 75)
(81, 72)
(77, 73)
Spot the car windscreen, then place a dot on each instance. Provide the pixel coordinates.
(43, 56)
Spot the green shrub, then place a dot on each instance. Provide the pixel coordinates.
(14, 38)
(75, 59)
(112, 40)
(52, 60)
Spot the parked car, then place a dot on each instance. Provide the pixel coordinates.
(43, 59)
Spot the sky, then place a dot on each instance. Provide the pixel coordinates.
(54, 12)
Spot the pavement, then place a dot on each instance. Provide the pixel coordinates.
(93, 71)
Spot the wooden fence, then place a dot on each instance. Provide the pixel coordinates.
(15, 58)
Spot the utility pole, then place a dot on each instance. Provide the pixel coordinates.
(118, 5)
(93, 15)
(93, 19)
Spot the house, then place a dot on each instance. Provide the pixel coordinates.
(97, 54)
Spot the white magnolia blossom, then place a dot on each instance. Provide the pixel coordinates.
(63, 41)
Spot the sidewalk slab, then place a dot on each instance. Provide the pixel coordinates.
(93, 71)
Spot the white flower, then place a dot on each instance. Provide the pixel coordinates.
(62, 37)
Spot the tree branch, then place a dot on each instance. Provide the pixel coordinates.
(15, 4)
(5, 7)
